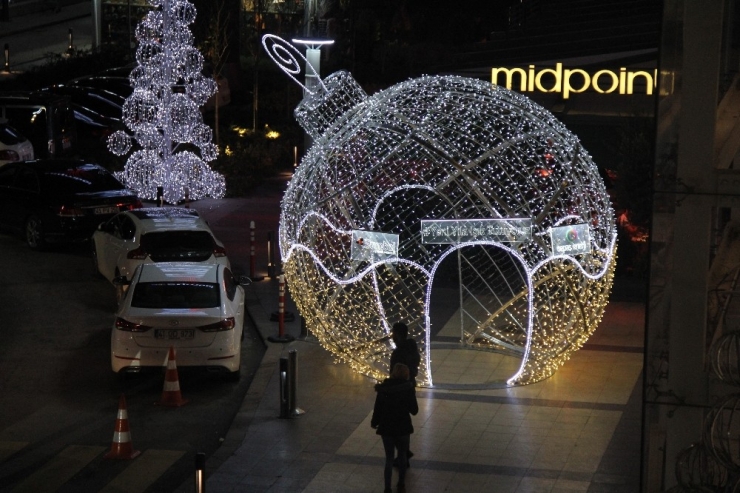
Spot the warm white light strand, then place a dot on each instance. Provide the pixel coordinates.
(444, 148)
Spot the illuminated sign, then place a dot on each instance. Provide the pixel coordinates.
(570, 240)
(372, 246)
(453, 231)
(574, 80)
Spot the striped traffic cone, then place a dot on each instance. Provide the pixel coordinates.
(122, 448)
(171, 395)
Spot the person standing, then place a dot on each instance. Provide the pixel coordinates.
(395, 402)
(406, 352)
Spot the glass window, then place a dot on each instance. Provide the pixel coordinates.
(81, 179)
(176, 295)
(169, 246)
(229, 284)
(115, 226)
(110, 225)
(30, 121)
(9, 136)
(127, 227)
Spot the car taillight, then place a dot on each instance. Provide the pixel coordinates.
(130, 207)
(67, 211)
(225, 324)
(123, 324)
(219, 251)
(138, 254)
(8, 155)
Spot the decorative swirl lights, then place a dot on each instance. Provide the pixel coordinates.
(163, 112)
(444, 148)
(284, 55)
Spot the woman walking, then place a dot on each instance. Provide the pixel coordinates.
(395, 402)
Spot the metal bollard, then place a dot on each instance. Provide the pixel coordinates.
(7, 58)
(292, 367)
(160, 196)
(200, 477)
(251, 249)
(284, 392)
(288, 407)
(281, 306)
(270, 256)
(70, 48)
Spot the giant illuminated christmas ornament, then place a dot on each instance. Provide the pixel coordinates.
(433, 173)
(162, 113)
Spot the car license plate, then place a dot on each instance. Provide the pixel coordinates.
(174, 334)
(106, 210)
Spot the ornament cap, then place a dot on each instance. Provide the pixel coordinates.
(320, 110)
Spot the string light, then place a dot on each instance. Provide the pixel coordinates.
(163, 112)
(444, 147)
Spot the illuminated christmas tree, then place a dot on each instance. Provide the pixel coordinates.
(163, 112)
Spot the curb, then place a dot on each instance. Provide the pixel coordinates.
(45, 25)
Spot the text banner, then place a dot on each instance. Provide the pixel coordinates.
(453, 231)
(570, 240)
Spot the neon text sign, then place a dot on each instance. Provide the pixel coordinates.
(573, 81)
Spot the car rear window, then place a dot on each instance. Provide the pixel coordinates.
(175, 295)
(168, 246)
(9, 136)
(81, 179)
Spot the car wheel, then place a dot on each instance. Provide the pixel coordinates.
(35, 233)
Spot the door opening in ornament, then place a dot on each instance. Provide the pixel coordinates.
(478, 317)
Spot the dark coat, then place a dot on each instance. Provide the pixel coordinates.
(407, 352)
(394, 403)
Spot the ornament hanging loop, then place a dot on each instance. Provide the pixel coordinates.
(286, 56)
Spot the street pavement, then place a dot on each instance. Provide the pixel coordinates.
(576, 431)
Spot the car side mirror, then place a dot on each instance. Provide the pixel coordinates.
(244, 280)
(121, 281)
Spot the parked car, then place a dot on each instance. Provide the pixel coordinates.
(14, 146)
(98, 112)
(47, 120)
(196, 308)
(153, 234)
(120, 85)
(59, 200)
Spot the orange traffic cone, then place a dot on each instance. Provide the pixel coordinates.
(171, 395)
(122, 447)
